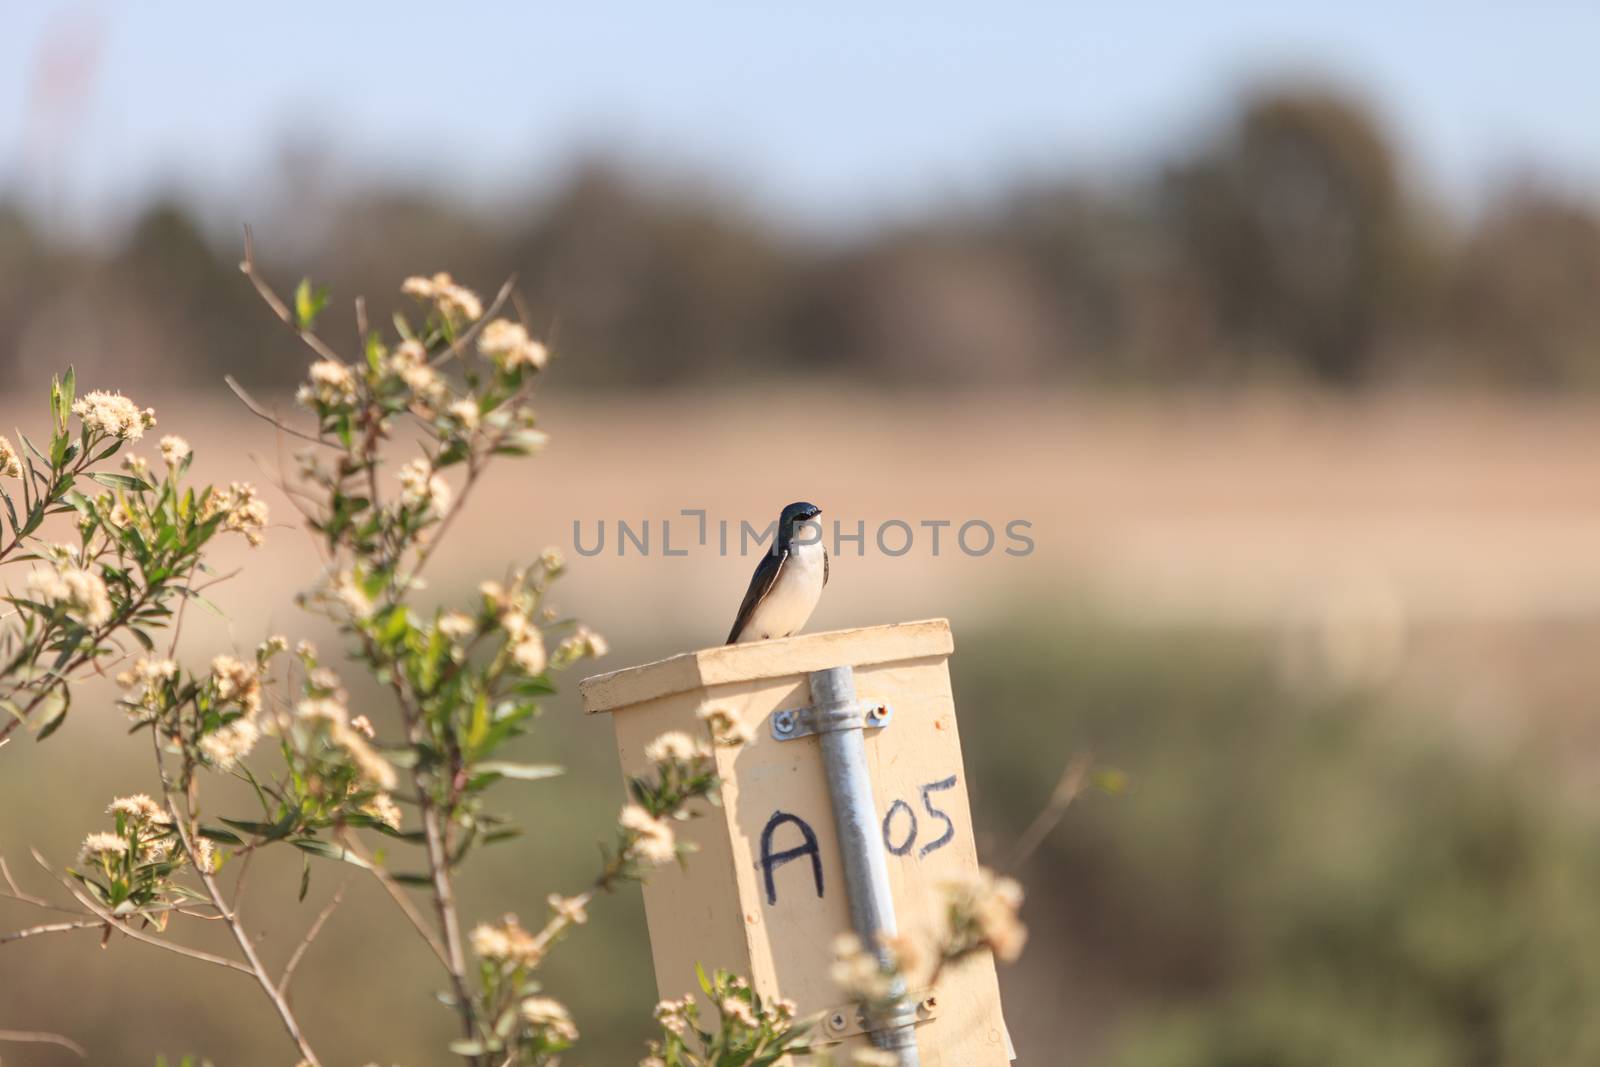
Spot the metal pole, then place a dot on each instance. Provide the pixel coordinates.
(855, 817)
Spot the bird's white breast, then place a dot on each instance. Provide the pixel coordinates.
(793, 598)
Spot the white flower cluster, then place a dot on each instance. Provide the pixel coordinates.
(143, 834)
(174, 449)
(506, 942)
(332, 385)
(550, 1017)
(421, 487)
(725, 726)
(114, 415)
(859, 973)
(675, 746)
(580, 643)
(10, 462)
(230, 743)
(144, 687)
(383, 808)
(329, 709)
(237, 684)
(649, 838)
(674, 1015)
(244, 511)
(139, 807)
(456, 625)
(409, 362)
(82, 592)
(465, 413)
(453, 301)
(987, 905)
(525, 640)
(507, 343)
(348, 592)
(99, 845)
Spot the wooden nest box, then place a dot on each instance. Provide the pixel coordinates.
(772, 885)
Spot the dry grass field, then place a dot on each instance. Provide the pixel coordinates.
(1227, 508)
(1394, 530)
(1408, 532)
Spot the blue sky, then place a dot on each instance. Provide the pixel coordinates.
(825, 112)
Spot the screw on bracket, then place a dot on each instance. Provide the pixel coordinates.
(791, 724)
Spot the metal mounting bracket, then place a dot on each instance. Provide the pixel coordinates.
(849, 1020)
(829, 718)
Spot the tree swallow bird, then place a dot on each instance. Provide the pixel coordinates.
(788, 581)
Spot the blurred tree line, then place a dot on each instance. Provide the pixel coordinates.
(1286, 245)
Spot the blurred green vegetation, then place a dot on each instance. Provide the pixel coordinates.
(1287, 242)
(1296, 876)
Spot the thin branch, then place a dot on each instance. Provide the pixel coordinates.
(475, 471)
(138, 935)
(262, 413)
(239, 880)
(44, 1037)
(246, 946)
(444, 903)
(1074, 780)
(438, 853)
(311, 935)
(184, 823)
(397, 894)
(16, 892)
(279, 308)
(52, 928)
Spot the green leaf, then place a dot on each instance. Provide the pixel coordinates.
(217, 833)
(309, 302)
(69, 389)
(305, 877)
(34, 449)
(120, 481)
(203, 602)
(356, 818)
(408, 878)
(269, 831)
(705, 983)
(525, 772)
(328, 851)
(52, 712)
(1110, 781)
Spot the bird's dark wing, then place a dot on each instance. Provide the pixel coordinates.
(761, 583)
(824, 567)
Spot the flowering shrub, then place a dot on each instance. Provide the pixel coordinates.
(460, 681)
(748, 1031)
(140, 539)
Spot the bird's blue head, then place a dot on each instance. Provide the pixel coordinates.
(792, 517)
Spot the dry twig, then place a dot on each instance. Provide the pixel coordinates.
(311, 935)
(44, 1037)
